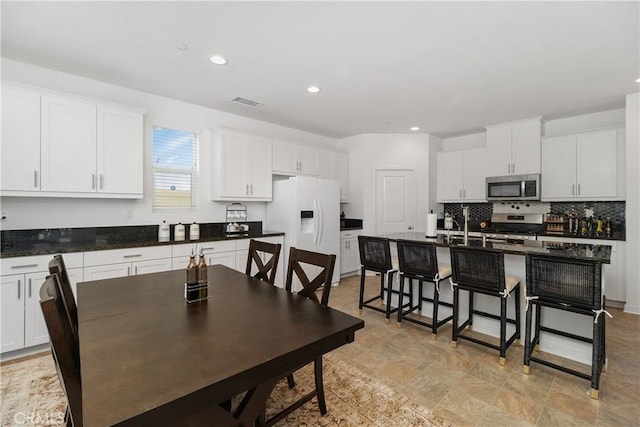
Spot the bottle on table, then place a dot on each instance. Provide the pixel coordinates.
(191, 287)
(202, 268)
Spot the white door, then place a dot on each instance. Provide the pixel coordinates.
(395, 200)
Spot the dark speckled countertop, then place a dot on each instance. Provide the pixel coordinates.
(17, 243)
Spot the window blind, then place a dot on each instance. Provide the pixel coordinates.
(176, 162)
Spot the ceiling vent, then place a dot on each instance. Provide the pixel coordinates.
(247, 102)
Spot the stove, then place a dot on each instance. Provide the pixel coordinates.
(514, 227)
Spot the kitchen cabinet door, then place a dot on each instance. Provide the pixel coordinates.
(295, 159)
(450, 176)
(259, 168)
(35, 328)
(475, 175)
(514, 148)
(349, 252)
(150, 266)
(68, 155)
(596, 164)
(309, 160)
(224, 258)
(20, 139)
(342, 175)
(499, 148)
(559, 167)
(119, 149)
(12, 312)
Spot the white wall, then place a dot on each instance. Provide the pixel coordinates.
(464, 142)
(26, 213)
(633, 203)
(369, 152)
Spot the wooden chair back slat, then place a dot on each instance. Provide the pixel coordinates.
(265, 271)
(297, 259)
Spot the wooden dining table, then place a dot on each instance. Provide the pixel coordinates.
(150, 358)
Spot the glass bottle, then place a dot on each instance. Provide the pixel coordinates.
(202, 268)
(192, 270)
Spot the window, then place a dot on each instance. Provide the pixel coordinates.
(175, 169)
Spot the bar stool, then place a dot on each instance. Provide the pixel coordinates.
(568, 284)
(419, 261)
(482, 271)
(375, 255)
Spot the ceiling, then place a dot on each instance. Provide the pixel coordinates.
(448, 67)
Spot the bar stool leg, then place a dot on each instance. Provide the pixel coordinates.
(503, 330)
(518, 317)
(538, 323)
(389, 287)
(436, 302)
(401, 279)
(362, 276)
(454, 333)
(382, 277)
(470, 325)
(527, 339)
(596, 362)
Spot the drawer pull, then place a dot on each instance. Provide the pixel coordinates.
(208, 249)
(132, 256)
(24, 266)
(19, 289)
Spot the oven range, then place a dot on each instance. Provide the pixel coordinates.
(514, 227)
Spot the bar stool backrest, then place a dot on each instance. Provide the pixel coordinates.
(564, 280)
(375, 253)
(481, 269)
(417, 258)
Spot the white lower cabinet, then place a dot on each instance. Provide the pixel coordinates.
(349, 253)
(109, 264)
(221, 252)
(22, 323)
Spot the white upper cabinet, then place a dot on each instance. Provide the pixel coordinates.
(294, 159)
(462, 176)
(335, 165)
(69, 129)
(585, 166)
(20, 139)
(119, 151)
(514, 148)
(241, 166)
(58, 145)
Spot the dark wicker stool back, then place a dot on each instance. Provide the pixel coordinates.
(567, 284)
(417, 258)
(567, 281)
(375, 253)
(478, 269)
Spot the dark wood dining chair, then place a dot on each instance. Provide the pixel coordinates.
(57, 267)
(298, 259)
(266, 271)
(64, 347)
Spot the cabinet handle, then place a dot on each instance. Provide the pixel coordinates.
(35, 179)
(251, 188)
(464, 193)
(513, 168)
(209, 249)
(101, 181)
(246, 189)
(573, 189)
(578, 189)
(24, 266)
(132, 256)
(93, 181)
(128, 271)
(19, 289)
(29, 288)
(135, 270)
(508, 168)
(209, 261)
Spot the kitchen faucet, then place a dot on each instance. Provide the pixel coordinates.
(465, 213)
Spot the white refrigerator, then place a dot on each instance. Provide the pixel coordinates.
(307, 210)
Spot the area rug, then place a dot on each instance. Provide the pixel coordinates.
(31, 395)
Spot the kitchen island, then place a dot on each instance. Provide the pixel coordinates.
(514, 263)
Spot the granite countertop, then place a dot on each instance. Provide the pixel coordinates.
(601, 252)
(20, 243)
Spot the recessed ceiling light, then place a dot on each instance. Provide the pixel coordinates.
(218, 60)
(415, 128)
(313, 89)
(637, 80)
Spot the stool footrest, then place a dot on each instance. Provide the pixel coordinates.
(561, 368)
(566, 334)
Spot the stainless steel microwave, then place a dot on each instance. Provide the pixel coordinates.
(513, 187)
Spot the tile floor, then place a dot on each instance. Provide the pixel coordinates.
(467, 386)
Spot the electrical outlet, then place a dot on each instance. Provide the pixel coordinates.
(130, 214)
(4, 216)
